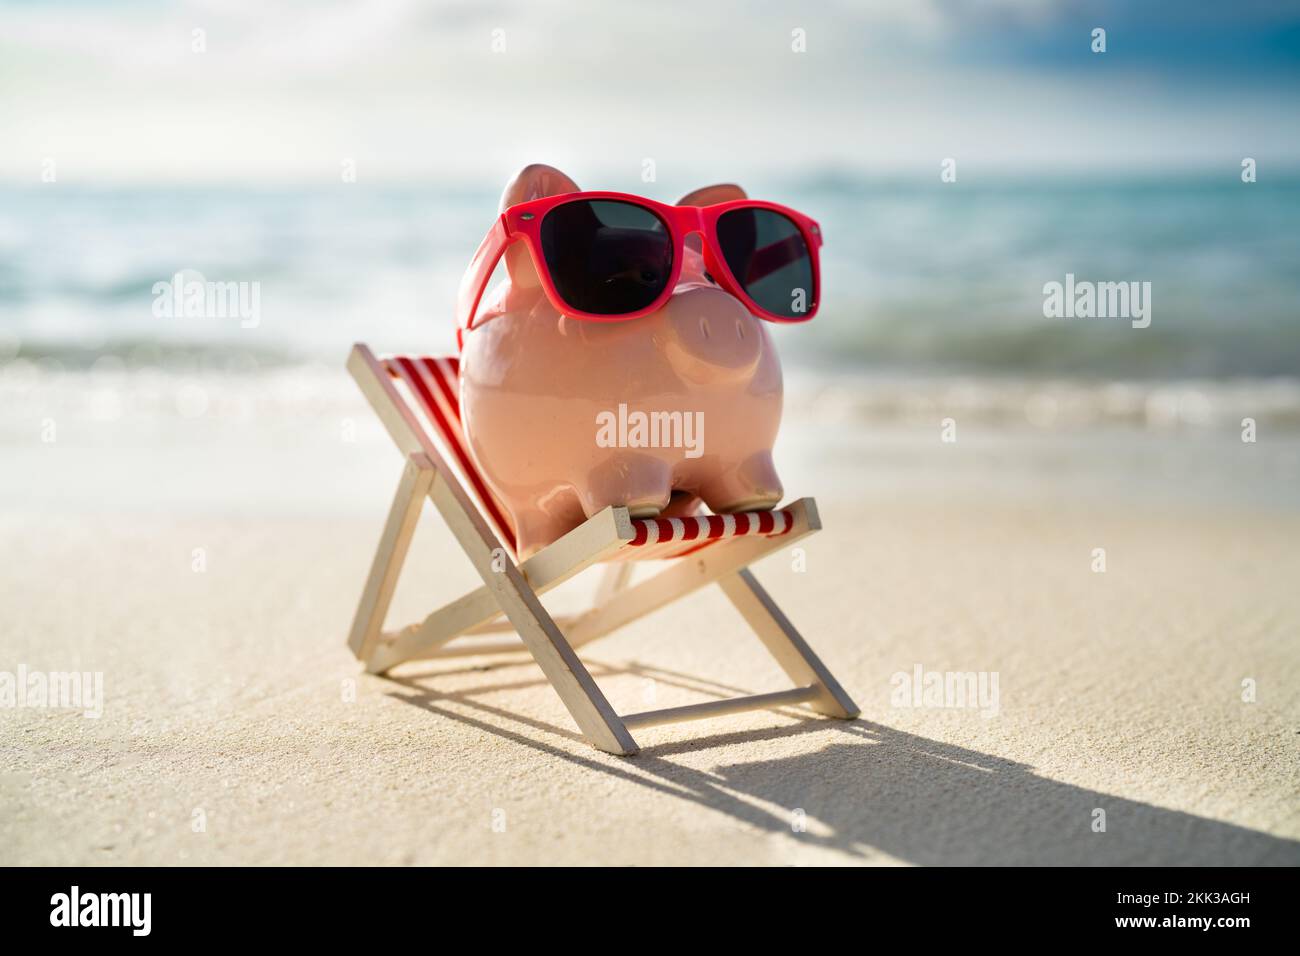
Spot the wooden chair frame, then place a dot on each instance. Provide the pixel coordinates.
(513, 590)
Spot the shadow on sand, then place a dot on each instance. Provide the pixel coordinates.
(873, 789)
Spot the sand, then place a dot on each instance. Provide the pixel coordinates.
(237, 729)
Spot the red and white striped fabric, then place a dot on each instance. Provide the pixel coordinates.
(432, 387)
(675, 537)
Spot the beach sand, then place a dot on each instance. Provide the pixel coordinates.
(236, 727)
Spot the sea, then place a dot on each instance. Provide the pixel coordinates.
(930, 289)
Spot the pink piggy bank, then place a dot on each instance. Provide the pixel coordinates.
(655, 386)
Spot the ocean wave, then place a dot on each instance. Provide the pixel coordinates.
(922, 278)
(181, 383)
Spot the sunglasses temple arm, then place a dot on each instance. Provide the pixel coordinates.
(774, 256)
(476, 277)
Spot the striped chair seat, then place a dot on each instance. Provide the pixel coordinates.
(432, 390)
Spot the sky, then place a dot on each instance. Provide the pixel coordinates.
(420, 91)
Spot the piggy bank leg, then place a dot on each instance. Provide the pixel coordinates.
(640, 483)
(683, 505)
(750, 486)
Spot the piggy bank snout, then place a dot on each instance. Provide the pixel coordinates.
(711, 334)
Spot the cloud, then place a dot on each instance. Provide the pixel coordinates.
(414, 90)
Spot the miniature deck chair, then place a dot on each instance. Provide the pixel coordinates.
(417, 399)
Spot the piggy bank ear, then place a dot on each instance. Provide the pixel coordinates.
(532, 182)
(709, 195)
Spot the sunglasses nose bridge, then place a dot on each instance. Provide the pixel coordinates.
(690, 220)
(694, 226)
(691, 223)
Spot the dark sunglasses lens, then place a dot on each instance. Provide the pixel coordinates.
(606, 257)
(767, 255)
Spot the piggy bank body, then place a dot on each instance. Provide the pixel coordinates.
(565, 417)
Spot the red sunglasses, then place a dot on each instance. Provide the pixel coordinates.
(609, 257)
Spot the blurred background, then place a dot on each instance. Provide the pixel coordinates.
(347, 158)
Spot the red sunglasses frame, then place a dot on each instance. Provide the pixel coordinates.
(523, 222)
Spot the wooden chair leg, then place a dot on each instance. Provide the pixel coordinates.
(577, 689)
(686, 575)
(785, 644)
(616, 576)
(389, 556)
(591, 542)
